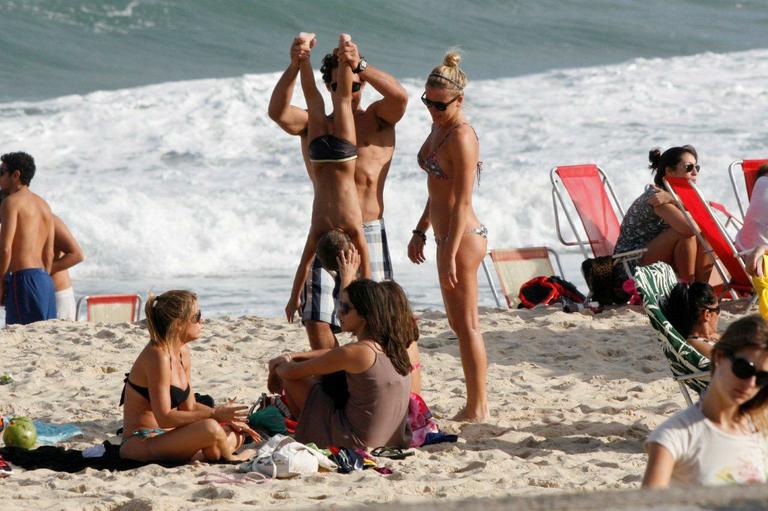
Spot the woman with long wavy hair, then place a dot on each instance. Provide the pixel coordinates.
(370, 408)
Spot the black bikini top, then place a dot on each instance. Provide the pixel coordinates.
(328, 148)
(178, 395)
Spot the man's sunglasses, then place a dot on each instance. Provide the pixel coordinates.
(345, 307)
(715, 309)
(744, 369)
(437, 105)
(355, 86)
(690, 167)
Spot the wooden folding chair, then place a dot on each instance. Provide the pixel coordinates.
(749, 170)
(516, 266)
(125, 308)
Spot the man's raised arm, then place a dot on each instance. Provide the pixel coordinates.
(292, 119)
(391, 107)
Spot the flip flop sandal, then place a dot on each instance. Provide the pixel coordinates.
(392, 453)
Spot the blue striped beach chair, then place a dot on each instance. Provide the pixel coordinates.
(690, 369)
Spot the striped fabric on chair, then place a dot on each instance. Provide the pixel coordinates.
(689, 367)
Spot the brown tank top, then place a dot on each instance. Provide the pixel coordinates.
(377, 408)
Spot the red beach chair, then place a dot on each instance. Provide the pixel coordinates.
(516, 266)
(712, 235)
(589, 189)
(111, 308)
(749, 169)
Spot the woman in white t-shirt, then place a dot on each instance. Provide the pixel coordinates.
(722, 438)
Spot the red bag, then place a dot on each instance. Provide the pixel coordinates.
(548, 290)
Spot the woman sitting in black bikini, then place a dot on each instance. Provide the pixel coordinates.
(161, 419)
(332, 154)
(694, 311)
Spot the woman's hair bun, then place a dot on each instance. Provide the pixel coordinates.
(654, 156)
(452, 58)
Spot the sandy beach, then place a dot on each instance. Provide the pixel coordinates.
(573, 396)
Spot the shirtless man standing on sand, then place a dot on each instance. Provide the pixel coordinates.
(67, 253)
(26, 239)
(375, 140)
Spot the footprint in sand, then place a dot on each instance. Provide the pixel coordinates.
(474, 465)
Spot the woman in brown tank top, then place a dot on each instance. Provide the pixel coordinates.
(373, 410)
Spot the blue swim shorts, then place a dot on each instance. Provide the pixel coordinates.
(30, 297)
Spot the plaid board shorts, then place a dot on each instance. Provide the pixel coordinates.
(320, 295)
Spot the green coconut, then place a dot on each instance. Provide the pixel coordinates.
(20, 432)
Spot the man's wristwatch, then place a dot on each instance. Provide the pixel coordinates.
(362, 65)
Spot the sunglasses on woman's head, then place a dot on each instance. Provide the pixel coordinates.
(355, 86)
(437, 105)
(690, 167)
(744, 369)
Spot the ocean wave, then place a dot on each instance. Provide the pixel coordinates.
(192, 178)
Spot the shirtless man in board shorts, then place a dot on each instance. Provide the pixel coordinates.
(375, 140)
(26, 240)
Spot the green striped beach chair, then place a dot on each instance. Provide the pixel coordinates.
(689, 367)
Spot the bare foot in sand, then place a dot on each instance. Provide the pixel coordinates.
(244, 455)
(465, 416)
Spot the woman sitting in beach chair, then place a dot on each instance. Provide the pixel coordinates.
(753, 236)
(655, 222)
(694, 311)
(161, 419)
(721, 439)
(373, 409)
(332, 154)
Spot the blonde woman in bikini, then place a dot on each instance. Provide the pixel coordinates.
(450, 157)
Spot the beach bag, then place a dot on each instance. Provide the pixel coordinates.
(282, 457)
(548, 290)
(605, 280)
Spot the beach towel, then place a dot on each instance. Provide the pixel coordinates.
(72, 460)
(49, 434)
(420, 420)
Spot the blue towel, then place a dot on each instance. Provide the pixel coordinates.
(49, 434)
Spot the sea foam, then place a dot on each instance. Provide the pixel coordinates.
(193, 179)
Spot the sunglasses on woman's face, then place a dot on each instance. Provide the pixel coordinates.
(198, 318)
(355, 86)
(345, 307)
(744, 369)
(690, 167)
(437, 105)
